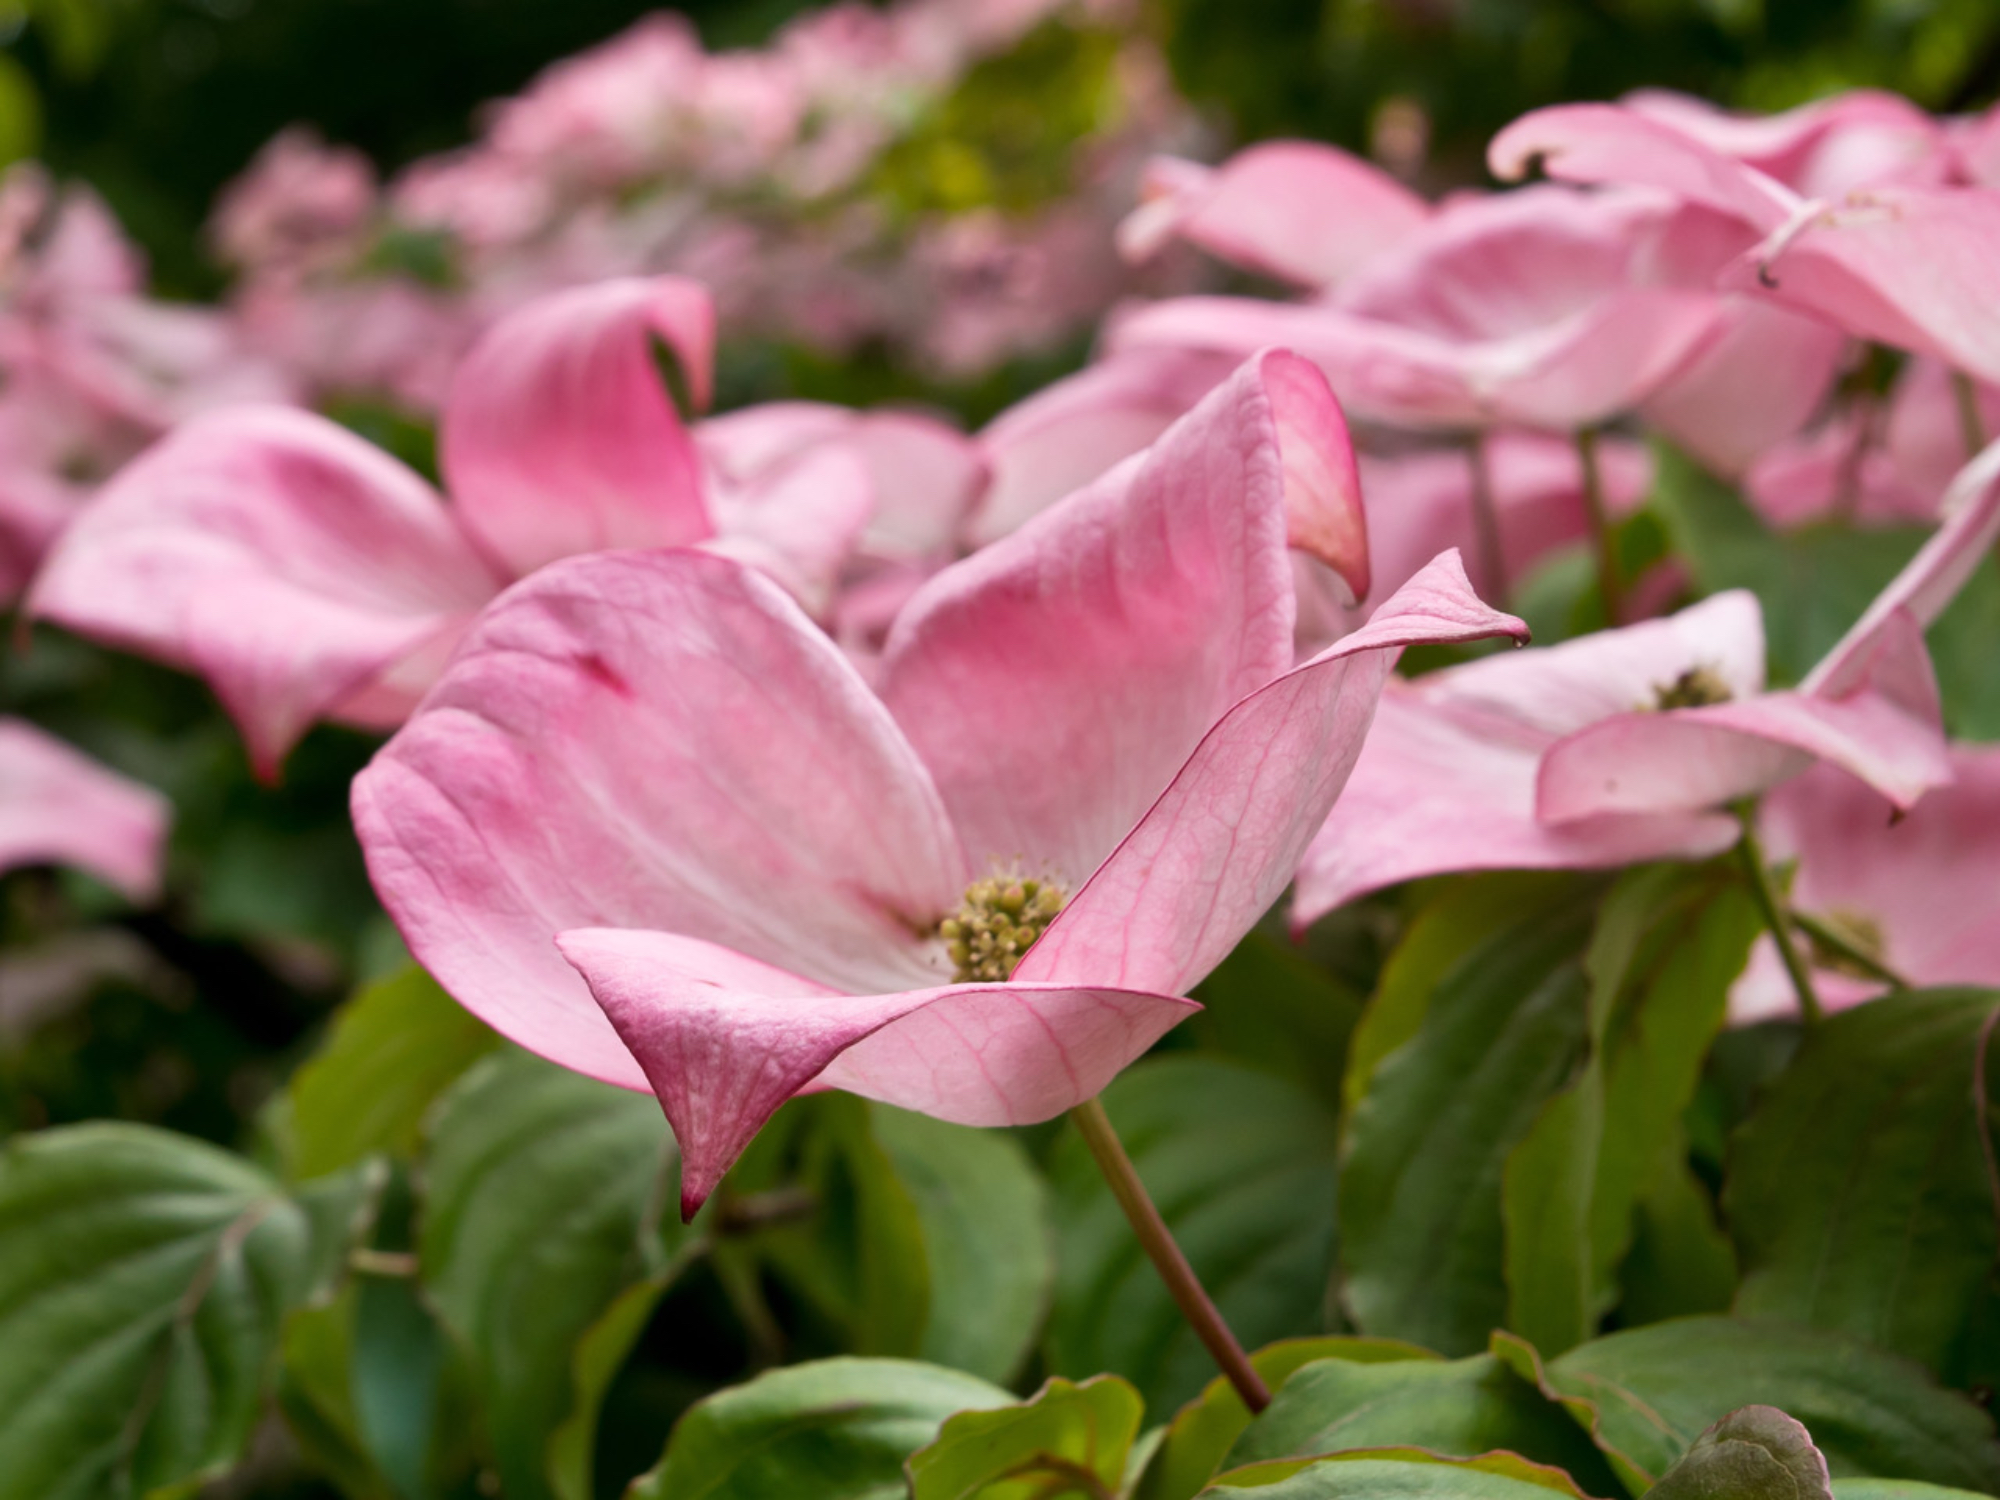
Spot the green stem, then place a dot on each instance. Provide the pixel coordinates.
(1486, 524)
(1831, 941)
(1970, 425)
(393, 1264)
(1776, 917)
(1158, 1242)
(1601, 540)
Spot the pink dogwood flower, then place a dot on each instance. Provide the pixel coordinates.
(1917, 895)
(1540, 308)
(1299, 211)
(653, 825)
(1323, 219)
(58, 806)
(1627, 745)
(91, 369)
(1854, 139)
(1875, 463)
(1901, 262)
(306, 574)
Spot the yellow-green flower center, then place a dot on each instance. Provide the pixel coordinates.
(996, 924)
(1697, 687)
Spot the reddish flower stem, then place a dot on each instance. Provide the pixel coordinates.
(1486, 524)
(1158, 1243)
(1970, 426)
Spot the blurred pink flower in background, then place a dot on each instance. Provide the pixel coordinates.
(559, 437)
(768, 173)
(60, 807)
(1899, 258)
(91, 370)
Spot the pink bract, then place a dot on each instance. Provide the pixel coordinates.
(1901, 262)
(1623, 746)
(1920, 893)
(1297, 210)
(653, 824)
(1539, 308)
(559, 438)
(1572, 757)
(58, 806)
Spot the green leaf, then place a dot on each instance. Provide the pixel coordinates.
(1202, 1431)
(1681, 1263)
(1669, 941)
(1270, 1006)
(393, 1049)
(144, 1280)
(1757, 1453)
(20, 111)
(1241, 1166)
(1896, 1489)
(835, 1429)
(985, 1221)
(546, 1197)
(1480, 1017)
(1859, 1191)
(315, 1394)
(1399, 1473)
(595, 1364)
(1961, 644)
(858, 1258)
(1647, 1394)
(1461, 1408)
(373, 1398)
(1067, 1439)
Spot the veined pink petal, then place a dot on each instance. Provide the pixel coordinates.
(58, 806)
(1758, 382)
(282, 557)
(654, 740)
(1297, 210)
(724, 1042)
(1931, 579)
(1054, 681)
(1067, 434)
(1556, 690)
(1906, 266)
(1222, 842)
(1440, 788)
(559, 435)
(1610, 143)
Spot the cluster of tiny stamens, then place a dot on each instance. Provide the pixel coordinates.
(996, 924)
(1697, 687)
